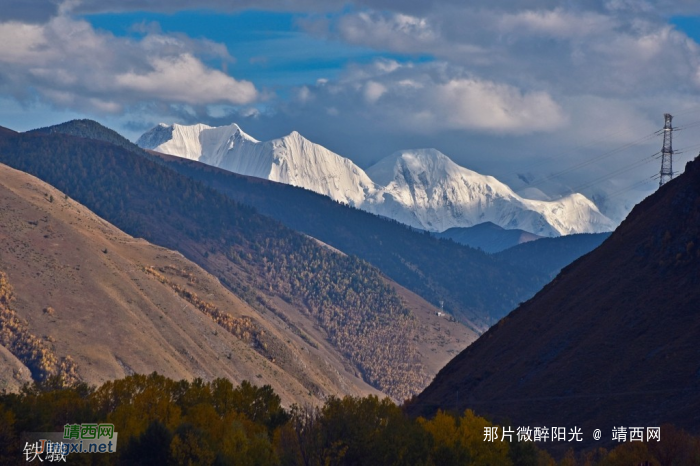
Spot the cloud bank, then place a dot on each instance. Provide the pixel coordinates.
(67, 63)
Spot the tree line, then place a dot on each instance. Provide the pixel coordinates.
(162, 421)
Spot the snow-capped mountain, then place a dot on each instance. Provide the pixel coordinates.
(426, 189)
(291, 159)
(422, 188)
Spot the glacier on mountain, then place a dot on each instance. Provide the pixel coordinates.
(422, 188)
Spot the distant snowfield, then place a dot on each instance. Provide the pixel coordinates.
(422, 188)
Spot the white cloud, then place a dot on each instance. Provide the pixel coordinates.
(435, 97)
(303, 94)
(398, 31)
(556, 23)
(71, 65)
(629, 5)
(185, 79)
(485, 105)
(373, 91)
(105, 106)
(22, 43)
(577, 48)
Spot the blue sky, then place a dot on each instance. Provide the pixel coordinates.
(513, 90)
(270, 48)
(689, 25)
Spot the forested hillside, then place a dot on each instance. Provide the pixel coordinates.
(82, 288)
(90, 129)
(33, 351)
(478, 287)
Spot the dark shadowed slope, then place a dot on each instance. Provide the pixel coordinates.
(90, 129)
(613, 340)
(547, 256)
(488, 237)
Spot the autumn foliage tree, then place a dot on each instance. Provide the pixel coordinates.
(162, 421)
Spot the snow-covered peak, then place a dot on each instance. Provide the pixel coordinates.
(155, 136)
(180, 139)
(291, 159)
(242, 135)
(571, 214)
(294, 138)
(426, 167)
(426, 189)
(430, 162)
(295, 160)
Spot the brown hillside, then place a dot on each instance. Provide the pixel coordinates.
(121, 305)
(114, 318)
(614, 340)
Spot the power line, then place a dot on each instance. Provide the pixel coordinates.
(621, 170)
(696, 109)
(633, 185)
(617, 150)
(666, 155)
(649, 179)
(687, 126)
(666, 152)
(684, 149)
(590, 144)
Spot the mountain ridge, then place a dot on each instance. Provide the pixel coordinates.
(397, 187)
(429, 187)
(553, 254)
(409, 257)
(488, 237)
